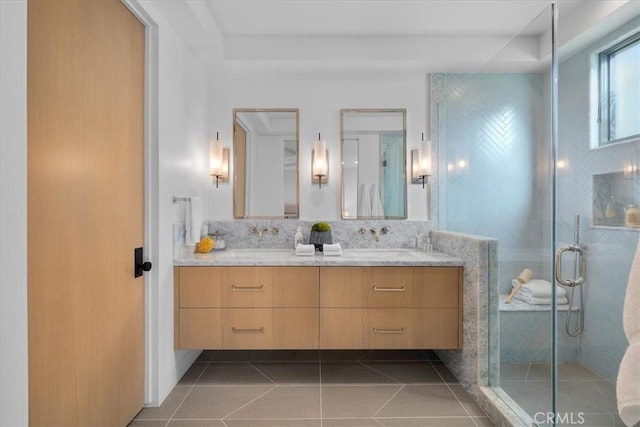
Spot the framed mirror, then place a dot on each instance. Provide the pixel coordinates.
(265, 146)
(374, 163)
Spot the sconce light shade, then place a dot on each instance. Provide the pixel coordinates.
(421, 163)
(218, 161)
(320, 162)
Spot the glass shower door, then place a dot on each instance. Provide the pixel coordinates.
(597, 182)
(501, 175)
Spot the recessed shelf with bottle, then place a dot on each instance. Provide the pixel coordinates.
(616, 200)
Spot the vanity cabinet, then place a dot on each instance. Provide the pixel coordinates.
(246, 307)
(390, 307)
(328, 307)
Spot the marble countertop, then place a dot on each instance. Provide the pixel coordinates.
(350, 257)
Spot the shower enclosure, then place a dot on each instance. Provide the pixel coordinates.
(540, 154)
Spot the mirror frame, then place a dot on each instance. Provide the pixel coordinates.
(235, 158)
(404, 156)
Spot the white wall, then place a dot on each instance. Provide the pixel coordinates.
(181, 151)
(14, 382)
(319, 100)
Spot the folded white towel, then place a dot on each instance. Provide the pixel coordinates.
(193, 220)
(538, 288)
(627, 388)
(333, 249)
(305, 250)
(540, 301)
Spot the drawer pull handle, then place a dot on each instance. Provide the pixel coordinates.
(247, 288)
(247, 331)
(389, 331)
(381, 289)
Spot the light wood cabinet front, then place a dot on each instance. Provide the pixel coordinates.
(386, 328)
(389, 287)
(249, 328)
(248, 287)
(318, 307)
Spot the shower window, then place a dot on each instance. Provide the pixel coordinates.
(619, 94)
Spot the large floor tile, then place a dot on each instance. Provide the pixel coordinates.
(274, 423)
(228, 373)
(147, 423)
(217, 402)
(467, 401)
(423, 401)
(394, 355)
(407, 372)
(445, 373)
(343, 401)
(513, 371)
(483, 421)
(167, 408)
(283, 402)
(206, 355)
(581, 396)
(283, 373)
(342, 355)
(195, 423)
(351, 373)
(427, 422)
(235, 355)
(287, 356)
(566, 372)
(587, 420)
(608, 391)
(193, 373)
(533, 397)
(350, 422)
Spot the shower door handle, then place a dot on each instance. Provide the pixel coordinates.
(583, 265)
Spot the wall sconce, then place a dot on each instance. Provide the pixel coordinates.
(218, 161)
(629, 170)
(320, 162)
(421, 163)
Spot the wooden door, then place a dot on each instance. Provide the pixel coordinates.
(85, 92)
(240, 154)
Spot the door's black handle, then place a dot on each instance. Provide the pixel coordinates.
(139, 265)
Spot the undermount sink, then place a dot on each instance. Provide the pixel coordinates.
(256, 253)
(374, 253)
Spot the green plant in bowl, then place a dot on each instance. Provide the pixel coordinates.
(320, 226)
(320, 234)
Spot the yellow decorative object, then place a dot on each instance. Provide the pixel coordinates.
(206, 244)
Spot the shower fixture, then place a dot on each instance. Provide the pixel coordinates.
(579, 277)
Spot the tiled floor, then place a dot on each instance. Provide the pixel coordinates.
(311, 388)
(580, 393)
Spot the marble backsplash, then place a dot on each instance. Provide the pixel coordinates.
(258, 233)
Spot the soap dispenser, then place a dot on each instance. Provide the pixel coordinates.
(298, 238)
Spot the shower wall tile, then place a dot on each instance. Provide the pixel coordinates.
(609, 251)
(489, 130)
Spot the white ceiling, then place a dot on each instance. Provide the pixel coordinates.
(373, 17)
(381, 37)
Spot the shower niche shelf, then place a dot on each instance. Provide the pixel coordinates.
(612, 193)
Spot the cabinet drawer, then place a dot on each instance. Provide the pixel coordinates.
(389, 287)
(399, 328)
(226, 287)
(245, 328)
